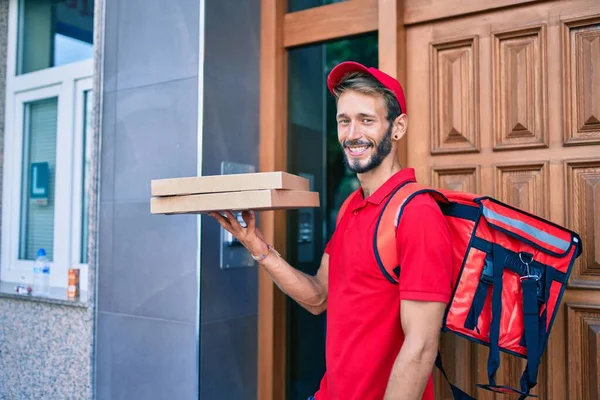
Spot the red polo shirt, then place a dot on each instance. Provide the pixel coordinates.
(364, 332)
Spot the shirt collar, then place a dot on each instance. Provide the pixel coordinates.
(400, 177)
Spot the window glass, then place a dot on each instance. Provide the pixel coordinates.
(54, 32)
(299, 5)
(87, 160)
(38, 178)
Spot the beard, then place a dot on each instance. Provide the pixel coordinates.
(382, 150)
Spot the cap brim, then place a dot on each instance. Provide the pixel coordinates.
(340, 70)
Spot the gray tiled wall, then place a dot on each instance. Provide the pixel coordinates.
(147, 295)
(231, 121)
(147, 272)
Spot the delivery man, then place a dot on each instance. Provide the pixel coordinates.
(382, 338)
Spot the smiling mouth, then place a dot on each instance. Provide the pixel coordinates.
(357, 151)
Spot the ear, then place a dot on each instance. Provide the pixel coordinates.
(400, 127)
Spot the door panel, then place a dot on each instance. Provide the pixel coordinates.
(581, 38)
(507, 103)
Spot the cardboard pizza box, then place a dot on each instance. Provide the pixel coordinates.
(257, 200)
(259, 191)
(228, 183)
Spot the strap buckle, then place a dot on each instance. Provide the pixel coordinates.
(487, 275)
(529, 275)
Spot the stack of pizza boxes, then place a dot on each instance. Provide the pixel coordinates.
(260, 191)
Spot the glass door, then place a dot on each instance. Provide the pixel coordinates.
(314, 152)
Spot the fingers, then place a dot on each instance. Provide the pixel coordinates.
(235, 224)
(224, 222)
(247, 234)
(232, 224)
(249, 219)
(227, 220)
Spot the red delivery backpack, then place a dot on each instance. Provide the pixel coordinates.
(511, 270)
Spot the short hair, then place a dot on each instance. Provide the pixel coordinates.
(367, 84)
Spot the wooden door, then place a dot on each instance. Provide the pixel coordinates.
(507, 103)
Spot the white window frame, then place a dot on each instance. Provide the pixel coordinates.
(81, 86)
(68, 83)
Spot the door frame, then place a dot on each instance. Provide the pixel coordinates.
(280, 31)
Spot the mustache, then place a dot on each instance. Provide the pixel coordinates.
(356, 142)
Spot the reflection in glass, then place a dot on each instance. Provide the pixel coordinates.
(53, 33)
(87, 163)
(38, 179)
(314, 152)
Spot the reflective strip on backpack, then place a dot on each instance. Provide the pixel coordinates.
(530, 230)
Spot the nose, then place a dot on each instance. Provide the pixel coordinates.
(353, 131)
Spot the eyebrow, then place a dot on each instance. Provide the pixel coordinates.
(344, 115)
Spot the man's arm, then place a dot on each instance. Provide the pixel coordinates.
(421, 322)
(425, 287)
(307, 290)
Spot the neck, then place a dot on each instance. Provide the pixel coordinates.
(372, 180)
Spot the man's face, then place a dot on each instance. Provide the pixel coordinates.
(363, 130)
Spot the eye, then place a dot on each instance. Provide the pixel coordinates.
(367, 120)
(343, 121)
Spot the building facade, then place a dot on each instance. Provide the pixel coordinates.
(99, 97)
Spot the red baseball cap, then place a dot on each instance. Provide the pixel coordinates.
(340, 70)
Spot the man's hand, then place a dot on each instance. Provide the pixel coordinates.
(421, 322)
(307, 290)
(250, 236)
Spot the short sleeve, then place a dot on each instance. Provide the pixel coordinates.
(425, 252)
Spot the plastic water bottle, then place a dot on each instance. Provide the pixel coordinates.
(46, 277)
(38, 267)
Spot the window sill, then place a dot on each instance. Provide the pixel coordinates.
(57, 296)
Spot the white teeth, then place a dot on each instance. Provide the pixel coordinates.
(357, 149)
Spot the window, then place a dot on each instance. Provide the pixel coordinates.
(37, 178)
(82, 166)
(47, 138)
(53, 33)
